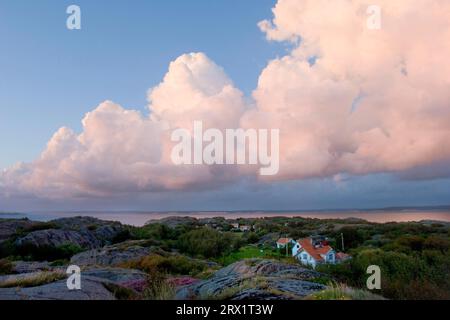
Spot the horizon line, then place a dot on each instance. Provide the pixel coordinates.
(389, 208)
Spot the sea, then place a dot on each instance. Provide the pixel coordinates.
(141, 218)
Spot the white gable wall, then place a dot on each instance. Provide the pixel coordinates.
(306, 259)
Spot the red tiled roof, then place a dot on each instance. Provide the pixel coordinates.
(283, 240)
(342, 256)
(314, 252)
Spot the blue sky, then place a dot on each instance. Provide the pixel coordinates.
(50, 76)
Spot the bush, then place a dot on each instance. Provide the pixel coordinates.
(40, 226)
(353, 237)
(423, 275)
(208, 243)
(48, 253)
(177, 265)
(7, 249)
(153, 231)
(159, 288)
(122, 236)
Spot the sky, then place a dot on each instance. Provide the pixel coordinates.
(51, 76)
(364, 115)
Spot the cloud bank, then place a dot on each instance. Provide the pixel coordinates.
(347, 100)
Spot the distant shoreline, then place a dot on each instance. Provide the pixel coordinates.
(137, 218)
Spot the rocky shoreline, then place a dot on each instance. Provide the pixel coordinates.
(102, 254)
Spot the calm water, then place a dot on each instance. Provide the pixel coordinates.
(140, 218)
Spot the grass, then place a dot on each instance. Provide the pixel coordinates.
(6, 266)
(158, 288)
(342, 292)
(176, 265)
(33, 281)
(119, 292)
(249, 252)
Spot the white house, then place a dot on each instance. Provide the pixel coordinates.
(313, 252)
(241, 227)
(282, 242)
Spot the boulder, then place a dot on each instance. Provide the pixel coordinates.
(95, 285)
(85, 232)
(9, 227)
(112, 255)
(255, 279)
(173, 222)
(104, 231)
(58, 237)
(116, 275)
(91, 289)
(260, 267)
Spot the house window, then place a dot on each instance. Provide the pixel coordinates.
(304, 256)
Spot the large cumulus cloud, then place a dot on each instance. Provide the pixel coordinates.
(347, 100)
(351, 99)
(122, 151)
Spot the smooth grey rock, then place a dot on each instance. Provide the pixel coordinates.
(104, 231)
(92, 285)
(9, 227)
(57, 237)
(257, 294)
(85, 232)
(111, 255)
(78, 223)
(91, 289)
(259, 267)
(116, 275)
(255, 279)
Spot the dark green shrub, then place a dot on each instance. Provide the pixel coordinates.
(48, 253)
(122, 236)
(176, 265)
(208, 243)
(153, 231)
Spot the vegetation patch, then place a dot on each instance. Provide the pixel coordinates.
(48, 253)
(6, 267)
(120, 292)
(209, 243)
(342, 292)
(33, 280)
(159, 288)
(249, 252)
(176, 265)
